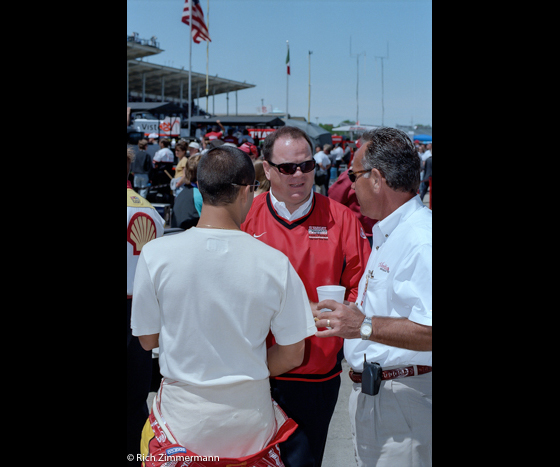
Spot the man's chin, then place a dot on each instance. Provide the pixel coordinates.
(300, 195)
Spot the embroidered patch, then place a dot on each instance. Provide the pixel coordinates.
(383, 267)
(318, 233)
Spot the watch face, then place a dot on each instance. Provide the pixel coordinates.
(367, 330)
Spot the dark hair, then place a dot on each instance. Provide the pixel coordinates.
(219, 170)
(182, 145)
(287, 131)
(393, 153)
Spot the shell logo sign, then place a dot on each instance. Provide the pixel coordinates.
(141, 231)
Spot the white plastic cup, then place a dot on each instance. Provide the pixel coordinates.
(331, 292)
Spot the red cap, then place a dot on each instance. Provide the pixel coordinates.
(250, 149)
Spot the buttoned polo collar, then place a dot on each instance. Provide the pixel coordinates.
(384, 229)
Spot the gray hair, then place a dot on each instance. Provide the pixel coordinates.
(394, 154)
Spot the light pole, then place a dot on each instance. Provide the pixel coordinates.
(383, 85)
(358, 85)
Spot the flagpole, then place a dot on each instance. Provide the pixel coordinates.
(288, 87)
(309, 115)
(190, 64)
(208, 59)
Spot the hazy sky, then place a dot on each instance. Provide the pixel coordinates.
(249, 44)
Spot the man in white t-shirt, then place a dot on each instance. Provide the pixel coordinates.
(209, 298)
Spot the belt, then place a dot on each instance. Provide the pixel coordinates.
(388, 375)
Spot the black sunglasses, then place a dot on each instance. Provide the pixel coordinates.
(291, 169)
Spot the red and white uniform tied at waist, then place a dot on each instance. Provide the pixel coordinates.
(165, 452)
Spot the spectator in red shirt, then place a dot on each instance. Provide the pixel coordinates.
(215, 134)
(230, 138)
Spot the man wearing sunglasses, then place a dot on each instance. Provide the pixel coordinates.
(391, 322)
(327, 246)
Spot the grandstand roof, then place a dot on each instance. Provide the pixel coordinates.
(164, 81)
(139, 48)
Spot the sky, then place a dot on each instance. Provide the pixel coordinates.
(249, 45)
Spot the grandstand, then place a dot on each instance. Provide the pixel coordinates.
(149, 82)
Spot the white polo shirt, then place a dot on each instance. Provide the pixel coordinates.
(398, 283)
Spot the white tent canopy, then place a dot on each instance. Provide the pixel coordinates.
(355, 129)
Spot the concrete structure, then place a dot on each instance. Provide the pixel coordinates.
(167, 84)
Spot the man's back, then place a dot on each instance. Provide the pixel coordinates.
(218, 289)
(142, 163)
(213, 296)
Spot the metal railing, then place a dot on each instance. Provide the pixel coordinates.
(147, 42)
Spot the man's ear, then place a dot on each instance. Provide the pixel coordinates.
(267, 168)
(376, 180)
(246, 199)
(244, 194)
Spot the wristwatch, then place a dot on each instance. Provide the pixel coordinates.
(367, 329)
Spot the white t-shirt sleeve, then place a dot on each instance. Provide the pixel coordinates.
(146, 319)
(294, 322)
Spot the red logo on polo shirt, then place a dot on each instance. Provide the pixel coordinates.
(384, 268)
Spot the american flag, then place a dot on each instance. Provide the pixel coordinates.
(199, 29)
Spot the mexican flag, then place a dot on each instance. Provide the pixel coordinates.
(288, 62)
